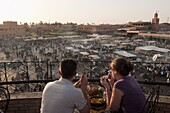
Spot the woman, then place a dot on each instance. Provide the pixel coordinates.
(125, 95)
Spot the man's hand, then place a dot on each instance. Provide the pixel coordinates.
(77, 84)
(84, 83)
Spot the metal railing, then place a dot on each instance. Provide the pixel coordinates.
(32, 76)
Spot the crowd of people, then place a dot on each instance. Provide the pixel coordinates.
(123, 93)
(35, 51)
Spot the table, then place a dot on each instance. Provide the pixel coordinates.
(95, 111)
(106, 110)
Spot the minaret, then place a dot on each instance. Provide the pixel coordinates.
(155, 22)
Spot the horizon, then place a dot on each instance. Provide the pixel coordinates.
(83, 11)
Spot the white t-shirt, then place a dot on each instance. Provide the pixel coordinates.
(61, 97)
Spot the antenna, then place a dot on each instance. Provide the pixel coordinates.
(168, 20)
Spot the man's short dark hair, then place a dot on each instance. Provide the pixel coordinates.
(68, 68)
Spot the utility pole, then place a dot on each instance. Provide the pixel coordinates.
(168, 20)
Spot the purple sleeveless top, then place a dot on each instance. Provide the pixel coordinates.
(133, 99)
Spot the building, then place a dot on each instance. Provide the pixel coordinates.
(10, 29)
(165, 27)
(140, 25)
(155, 22)
(98, 28)
(41, 27)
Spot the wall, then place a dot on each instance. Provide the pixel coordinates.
(30, 103)
(24, 105)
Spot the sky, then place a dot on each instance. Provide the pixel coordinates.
(83, 11)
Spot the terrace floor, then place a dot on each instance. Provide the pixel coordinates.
(30, 103)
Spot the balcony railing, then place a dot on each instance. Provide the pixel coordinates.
(32, 76)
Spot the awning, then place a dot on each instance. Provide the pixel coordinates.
(84, 53)
(125, 54)
(152, 48)
(94, 56)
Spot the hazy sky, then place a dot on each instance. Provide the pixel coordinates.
(83, 11)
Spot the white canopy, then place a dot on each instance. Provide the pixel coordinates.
(109, 45)
(152, 48)
(72, 49)
(125, 54)
(69, 48)
(94, 56)
(75, 50)
(95, 51)
(151, 42)
(138, 40)
(84, 53)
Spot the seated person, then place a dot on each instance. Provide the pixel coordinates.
(125, 95)
(61, 96)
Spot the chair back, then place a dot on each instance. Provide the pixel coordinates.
(152, 100)
(4, 98)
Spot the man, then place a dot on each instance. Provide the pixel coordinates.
(61, 96)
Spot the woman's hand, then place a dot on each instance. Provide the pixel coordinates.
(111, 80)
(104, 82)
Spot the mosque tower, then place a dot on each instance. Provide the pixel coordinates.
(155, 22)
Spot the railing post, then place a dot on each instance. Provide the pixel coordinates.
(28, 86)
(47, 68)
(5, 72)
(6, 78)
(27, 70)
(50, 70)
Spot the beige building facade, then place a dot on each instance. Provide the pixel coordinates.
(98, 28)
(10, 29)
(153, 25)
